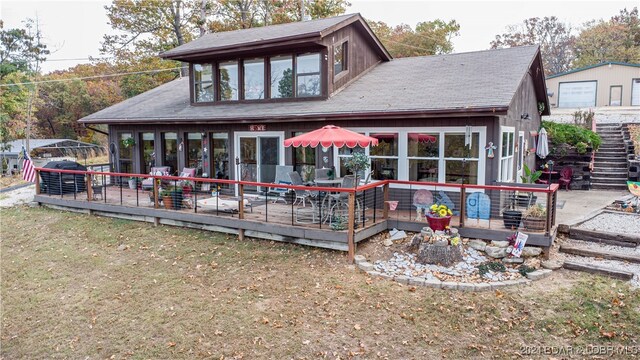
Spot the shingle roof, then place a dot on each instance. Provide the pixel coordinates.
(455, 82)
(247, 37)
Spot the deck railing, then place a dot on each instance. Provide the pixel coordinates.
(345, 210)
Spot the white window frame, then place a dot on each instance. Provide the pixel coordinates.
(403, 159)
(505, 167)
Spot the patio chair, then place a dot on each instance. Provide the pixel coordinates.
(341, 200)
(147, 184)
(301, 195)
(282, 177)
(565, 177)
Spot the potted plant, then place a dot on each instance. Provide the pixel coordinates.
(176, 197)
(359, 161)
(439, 217)
(535, 218)
(167, 200)
(132, 183)
(128, 142)
(187, 187)
(512, 217)
(529, 177)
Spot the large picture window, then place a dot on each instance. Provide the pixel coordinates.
(304, 160)
(507, 147)
(461, 162)
(423, 152)
(308, 75)
(170, 151)
(147, 139)
(203, 83)
(384, 157)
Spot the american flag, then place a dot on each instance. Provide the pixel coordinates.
(28, 172)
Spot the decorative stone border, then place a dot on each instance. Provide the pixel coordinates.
(364, 265)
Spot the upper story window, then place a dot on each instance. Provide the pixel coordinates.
(281, 77)
(308, 75)
(288, 76)
(203, 82)
(254, 79)
(340, 58)
(228, 80)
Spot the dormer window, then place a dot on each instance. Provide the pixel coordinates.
(340, 58)
(281, 77)
(203, 82)
(288, 76)
(308, 75)
(254, 79)
(228, 80)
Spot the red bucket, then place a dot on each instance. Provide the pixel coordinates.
(438, 223)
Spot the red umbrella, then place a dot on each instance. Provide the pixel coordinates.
(331, 135)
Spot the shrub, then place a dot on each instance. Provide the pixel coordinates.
(560, 134)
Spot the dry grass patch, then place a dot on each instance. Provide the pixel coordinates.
(6, 181)
(76, 286)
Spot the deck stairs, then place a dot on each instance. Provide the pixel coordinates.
(610, 167)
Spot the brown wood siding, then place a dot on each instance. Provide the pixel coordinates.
(360, 55)
(524, 102)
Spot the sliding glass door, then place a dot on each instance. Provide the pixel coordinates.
(258, 156)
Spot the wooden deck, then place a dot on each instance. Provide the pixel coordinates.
(268, 220)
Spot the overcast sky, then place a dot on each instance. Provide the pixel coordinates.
(74, 29)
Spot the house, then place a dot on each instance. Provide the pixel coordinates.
(613, 84)
(250, 89)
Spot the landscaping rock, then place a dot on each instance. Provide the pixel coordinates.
(477, 245)
(500, 244)
(530, 251)
(365, 266)
(496, 252)
(387, 242)
(552, 264)
(538, 274)
(359, 258)
(513, 260)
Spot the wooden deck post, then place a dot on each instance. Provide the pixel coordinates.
(89, 183)
(241, 210)
(463, 205)
(37, 182)
(351, 228)
(155, 193)
(547, 225)
(385, 199)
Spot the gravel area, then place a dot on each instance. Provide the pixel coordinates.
(613, 223)
(596, 246)
(17, 197)
(613, 264)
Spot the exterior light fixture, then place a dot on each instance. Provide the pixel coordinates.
(525, 116)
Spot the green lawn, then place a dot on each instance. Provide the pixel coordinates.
(76, 286)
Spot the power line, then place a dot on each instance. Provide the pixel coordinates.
(74, 59)
(91, 77)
